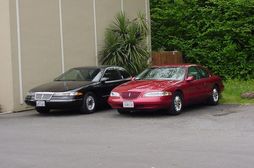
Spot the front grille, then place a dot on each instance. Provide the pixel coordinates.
(43, 96)
(130, 95)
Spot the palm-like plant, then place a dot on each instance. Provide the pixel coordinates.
(125, 43)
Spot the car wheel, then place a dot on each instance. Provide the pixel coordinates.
(123, 112)
(176, 105)
(214, 97)
(89, 104)
(42, 110)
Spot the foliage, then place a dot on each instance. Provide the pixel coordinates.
(234, 89)
(215, 33)
(125, 43)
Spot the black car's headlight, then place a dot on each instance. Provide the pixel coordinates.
(67, 94)
(32, 94)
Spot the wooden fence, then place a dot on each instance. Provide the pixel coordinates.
(167, 57)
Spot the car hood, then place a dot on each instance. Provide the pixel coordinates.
(60, 86)
(145, 85)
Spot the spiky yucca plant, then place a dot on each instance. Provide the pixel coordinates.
(125, 43)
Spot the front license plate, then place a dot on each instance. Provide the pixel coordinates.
(128, 104)
(40, 103)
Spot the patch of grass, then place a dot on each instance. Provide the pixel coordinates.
(234, 89)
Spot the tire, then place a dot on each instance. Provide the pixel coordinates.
(42, 110)
(122, 112)
(89, 104)
(214, 97)
(176, 105)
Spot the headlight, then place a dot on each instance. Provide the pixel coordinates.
(31, 94)
(66, 94)
(157, 94)
(114, 94)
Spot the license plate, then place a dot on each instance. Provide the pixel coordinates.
(128, 104)
(40, 103)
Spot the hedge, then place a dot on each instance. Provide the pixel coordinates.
(216, 33)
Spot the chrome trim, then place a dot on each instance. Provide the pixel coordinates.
(113, 81)
(71, 100)
(50, 94)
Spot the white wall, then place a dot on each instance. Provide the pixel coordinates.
(6, 82)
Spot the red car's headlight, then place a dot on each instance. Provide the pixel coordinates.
(157, 94)
(114, 94)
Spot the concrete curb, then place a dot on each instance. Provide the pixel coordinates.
(10, 112)
(2, 113)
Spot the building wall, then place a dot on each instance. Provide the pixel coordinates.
(6, 87)
(78, 33)
(49, 37)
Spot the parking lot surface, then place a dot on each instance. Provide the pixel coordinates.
(202, 137)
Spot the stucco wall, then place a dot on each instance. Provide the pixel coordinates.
(56, 35)
(6, 82)
(78, 33)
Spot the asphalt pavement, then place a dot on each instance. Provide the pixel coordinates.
(202, 137)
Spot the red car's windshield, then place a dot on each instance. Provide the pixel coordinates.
(162, 73)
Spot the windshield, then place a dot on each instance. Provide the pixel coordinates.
(163, 73)
(79, 74)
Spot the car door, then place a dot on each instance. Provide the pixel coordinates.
(206, 83)
(195, 88)
(124, 75)
(110, 79)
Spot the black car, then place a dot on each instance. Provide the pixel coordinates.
(81, 87)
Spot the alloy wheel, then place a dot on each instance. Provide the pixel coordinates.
(215, 95)
(90, 103)
(178, 103)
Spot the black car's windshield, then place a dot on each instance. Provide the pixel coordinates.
(162, 73)
(79, 74)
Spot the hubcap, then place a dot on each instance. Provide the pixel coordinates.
(215, 95)
(90, 103)
(178, 103)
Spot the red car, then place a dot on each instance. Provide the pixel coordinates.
(167, 87)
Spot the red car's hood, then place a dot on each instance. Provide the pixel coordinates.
(145, 85)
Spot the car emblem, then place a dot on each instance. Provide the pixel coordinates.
(129, 94)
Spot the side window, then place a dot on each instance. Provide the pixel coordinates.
(124, 73)
(112, 74)
(203, 73)
(192, 71)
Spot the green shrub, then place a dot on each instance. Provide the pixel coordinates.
(125, 43)
(216, 33)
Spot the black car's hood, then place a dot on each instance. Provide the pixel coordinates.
(61, 86)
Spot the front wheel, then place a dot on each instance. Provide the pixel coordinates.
(214, 97)
(176, 105)
(89, 104)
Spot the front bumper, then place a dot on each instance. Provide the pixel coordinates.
(60, 103)
(144, 103)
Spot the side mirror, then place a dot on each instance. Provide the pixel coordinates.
(190, 78)
(104, 79)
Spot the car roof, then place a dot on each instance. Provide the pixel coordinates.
(99, 67)
(175, 65)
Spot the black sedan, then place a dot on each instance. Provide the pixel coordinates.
(82, 87)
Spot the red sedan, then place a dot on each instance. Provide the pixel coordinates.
(167, 87)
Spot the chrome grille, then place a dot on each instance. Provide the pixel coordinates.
(43, 96)
(130, 95)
